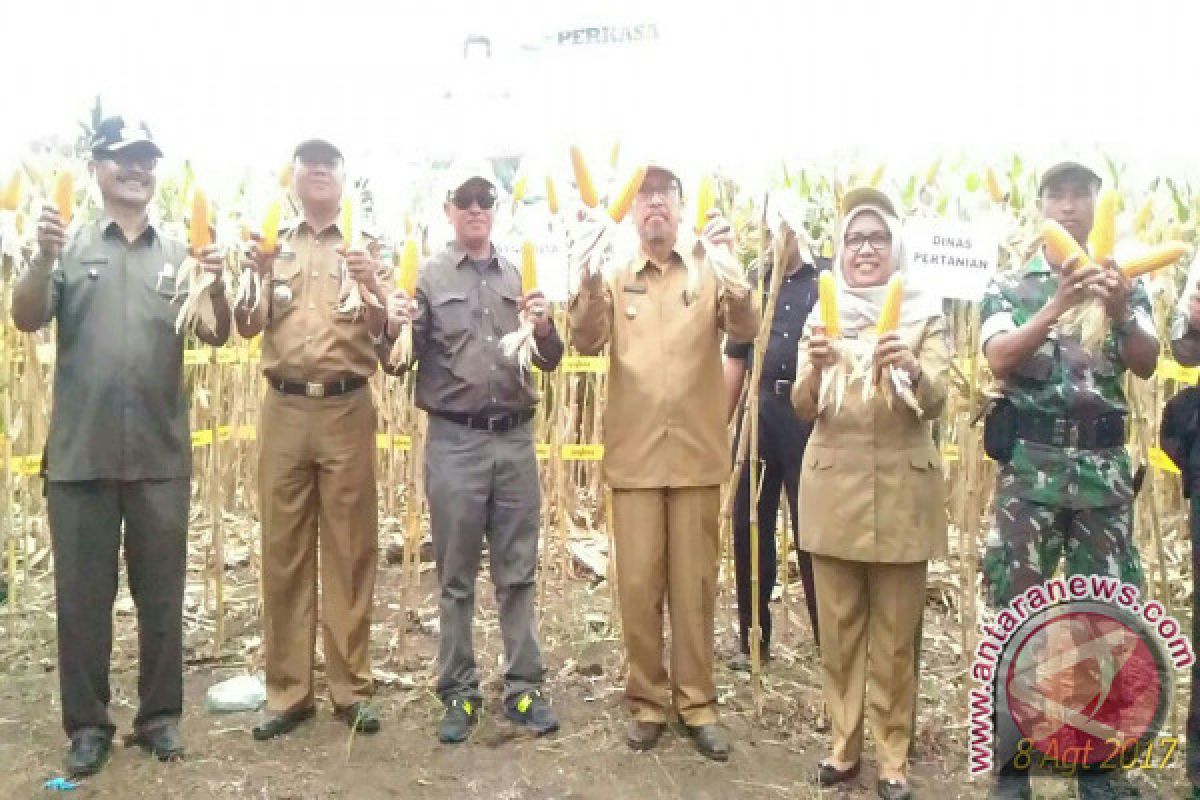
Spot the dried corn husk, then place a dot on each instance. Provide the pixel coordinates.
(194, 283)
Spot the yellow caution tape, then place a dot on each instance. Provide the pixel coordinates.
(247, 433)
(543, 451)
(396, 441)
(950, 452)
(584, 364)
(231, 355)
(1171, 370)
(25, 465)
(1161, 461)
(582, 452)
(196, 357)
(202, 438)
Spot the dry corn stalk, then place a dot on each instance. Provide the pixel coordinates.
(195, 283)
(402, 350)
(519, 345)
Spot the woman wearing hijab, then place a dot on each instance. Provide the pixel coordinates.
(871, 489)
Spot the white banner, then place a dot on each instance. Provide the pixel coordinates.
(953, 258)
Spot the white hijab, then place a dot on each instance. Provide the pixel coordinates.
(859, 308)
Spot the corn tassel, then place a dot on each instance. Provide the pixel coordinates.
(583, 178)
(889, 315)
(1103, 237)
(624, 201)
(10, 200)
(1162, 256)
(551, 195)
(199, 232)
(519, 345)
(876, 176)
(64, 196)
(932, 173)
(406, 279)
(827, 293)
(994, 189)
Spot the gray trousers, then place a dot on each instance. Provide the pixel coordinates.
(85, 526)
(484, 484)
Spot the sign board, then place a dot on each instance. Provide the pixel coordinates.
(953, 258)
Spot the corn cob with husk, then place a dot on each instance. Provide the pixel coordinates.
(994, 189)
(1158, 257)
(406, 279)
(519, 345)
(583, 178)
(833, 377)
(193, 280)
(624, 201)
(10, 198)
(1086, 319)
(551, 195)
(64, 196)
(900, 382)
(352, 300)
(724, 266)
(250, 284)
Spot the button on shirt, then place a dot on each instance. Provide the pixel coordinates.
(464, 308)
(120, 409)
(307, 338)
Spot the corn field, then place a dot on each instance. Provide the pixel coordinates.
(226, 386)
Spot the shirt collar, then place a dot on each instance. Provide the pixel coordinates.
(681, 254)
(109, 228)
(458, 255)
(1038, 265)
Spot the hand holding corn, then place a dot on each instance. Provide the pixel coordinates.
(718, 231)
(213, 262)
(364, 268)
(1076, 283)
(51, 237)
(891, 351)
(400, 308)
(820, 351)
(258, 258)
(535, 306)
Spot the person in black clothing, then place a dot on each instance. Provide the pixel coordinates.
(781, 440)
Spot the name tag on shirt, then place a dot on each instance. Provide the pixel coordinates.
(634, 288)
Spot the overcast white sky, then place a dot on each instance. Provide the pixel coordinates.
(731, 83)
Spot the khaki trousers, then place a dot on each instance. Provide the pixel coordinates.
(666, 548)
(869, 616)
(317, 484)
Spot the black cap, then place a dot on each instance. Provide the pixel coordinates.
(114, 136)
(1068, 169)
(317, 150)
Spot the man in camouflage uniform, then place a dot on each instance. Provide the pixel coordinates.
(1068, 488)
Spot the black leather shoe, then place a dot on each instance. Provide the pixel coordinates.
(894, 790)
(362, 717)
(641, 735)
(162, 741)
(829, 775)
(279, 724)
(88, 753)
(711, 741)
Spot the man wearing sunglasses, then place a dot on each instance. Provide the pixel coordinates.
(480, 464)
(666, 451)
(119, 449)
(317, 449)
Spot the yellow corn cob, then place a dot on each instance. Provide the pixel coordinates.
(624, 201)
(270, 228)
(827, 294)
(704, 202)
(518, 193)
(614, 155)
(1061, 245)
(827, 249)
(889, 315)
(10, 200)
(199, 233)
(551, 195)
(876, 176)
(408, 224)
(64, 195)
(19, 221)
(529, 278)
(1104, 229)
(347, 225)
(407, 279)
(995, 191)
(285, 176)
(1157, 258)
(583, 178)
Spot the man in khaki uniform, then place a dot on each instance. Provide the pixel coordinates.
(666, 452)
(317, 450)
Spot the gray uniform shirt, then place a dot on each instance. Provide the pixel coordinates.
(462, 312)
(120, 410)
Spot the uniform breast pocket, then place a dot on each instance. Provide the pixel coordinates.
(285, 288)
(508, 315)
(452, 320)
(165, 294)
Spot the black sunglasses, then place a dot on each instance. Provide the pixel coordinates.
(464, 198)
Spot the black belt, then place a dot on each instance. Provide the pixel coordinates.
(493, 423)
(332, 389)
(1098, 433)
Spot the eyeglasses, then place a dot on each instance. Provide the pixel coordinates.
(464, 198)
(878, 240)
(648, 190)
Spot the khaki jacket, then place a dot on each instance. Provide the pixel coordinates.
(664, 425)
(871, 487)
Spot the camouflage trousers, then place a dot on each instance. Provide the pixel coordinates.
(1028, 540)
